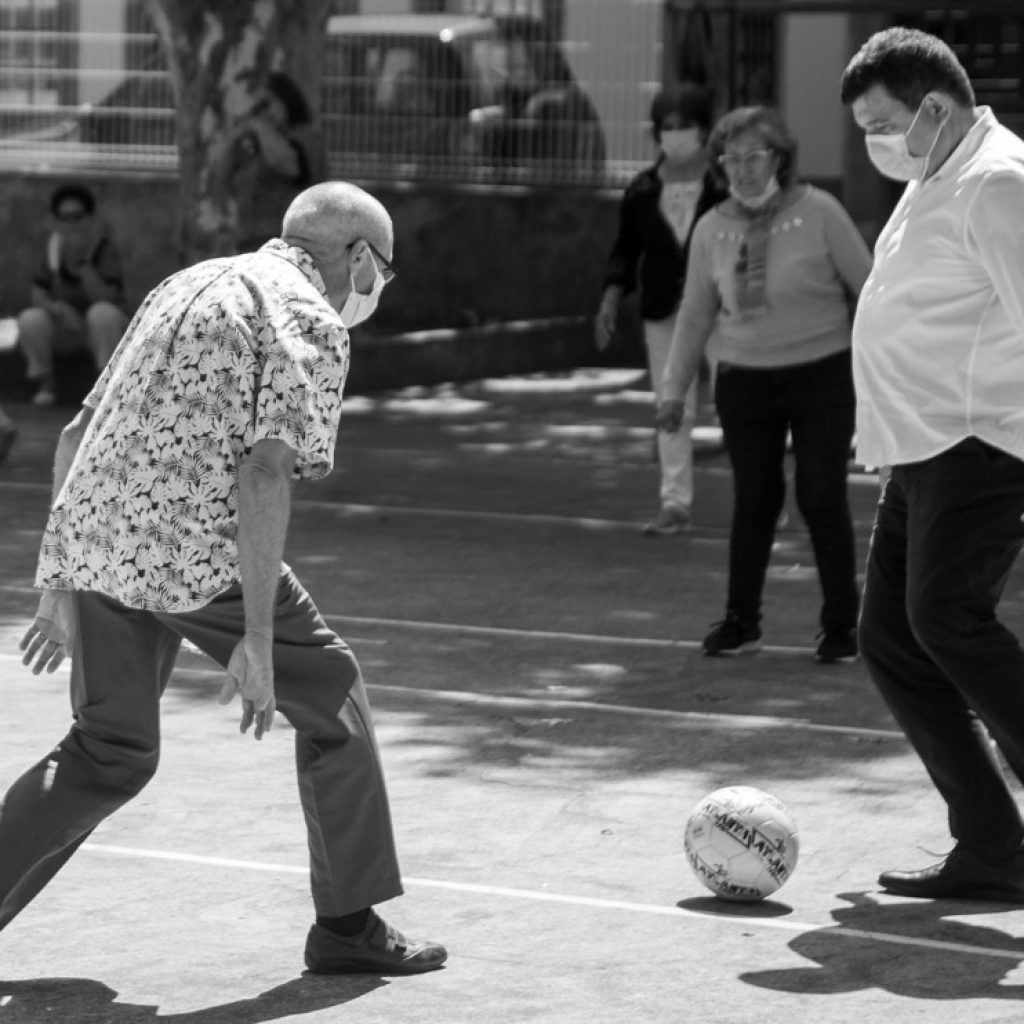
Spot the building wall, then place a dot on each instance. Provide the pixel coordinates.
(814, 51)
(100, 22)
(614, 48)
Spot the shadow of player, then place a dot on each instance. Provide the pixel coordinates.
(86, 1001)
(909, 949)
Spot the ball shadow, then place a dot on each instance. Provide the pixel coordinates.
(715, 906)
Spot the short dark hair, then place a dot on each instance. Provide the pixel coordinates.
(295, 104)
(72, 190)
(908, 64)
(768, 123)
(690, 101)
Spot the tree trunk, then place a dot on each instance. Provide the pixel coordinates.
(219, 53)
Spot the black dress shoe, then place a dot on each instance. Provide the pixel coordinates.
(963, 876)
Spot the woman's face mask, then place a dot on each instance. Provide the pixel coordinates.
(759, 201)
(681, 143)
(892, 157)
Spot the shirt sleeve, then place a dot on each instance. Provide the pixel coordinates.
(849, 252)
(42, 275)
(697, 315)
(994, 235)
(627, 248)
(299, 395)
(107, 261)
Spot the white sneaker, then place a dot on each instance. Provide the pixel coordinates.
(44, 397)
(671, 519)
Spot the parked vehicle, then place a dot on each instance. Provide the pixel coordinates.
(490, 93)
(445, 96)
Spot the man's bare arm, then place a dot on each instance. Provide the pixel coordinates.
(264, 509)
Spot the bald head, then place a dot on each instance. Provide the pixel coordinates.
(327, 218)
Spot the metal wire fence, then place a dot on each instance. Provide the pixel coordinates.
(520, 91)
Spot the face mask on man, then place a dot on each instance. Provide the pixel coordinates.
(761, 200)
(892, 157)
(359, 306)
(681, 143)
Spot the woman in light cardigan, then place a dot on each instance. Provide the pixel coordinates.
(774, 271)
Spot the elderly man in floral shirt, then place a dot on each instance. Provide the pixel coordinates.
(172, 497)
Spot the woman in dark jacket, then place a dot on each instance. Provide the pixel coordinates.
(658, 211)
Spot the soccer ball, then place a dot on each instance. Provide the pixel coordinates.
(741, 843)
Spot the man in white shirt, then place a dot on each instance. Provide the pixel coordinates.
(938, 347)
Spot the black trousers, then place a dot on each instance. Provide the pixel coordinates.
(946, 535)
(814, 402)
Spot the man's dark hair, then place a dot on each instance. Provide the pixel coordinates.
(908, 64)
(687, 99)
(72, 190)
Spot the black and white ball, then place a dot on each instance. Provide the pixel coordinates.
(742, 843)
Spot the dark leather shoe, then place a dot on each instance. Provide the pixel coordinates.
(961, 876)
(378, 949)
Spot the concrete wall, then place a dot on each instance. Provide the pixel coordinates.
(813, 53)
(465, 256)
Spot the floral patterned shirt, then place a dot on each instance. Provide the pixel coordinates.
(219, 356)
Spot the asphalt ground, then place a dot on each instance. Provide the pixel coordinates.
(547, 723)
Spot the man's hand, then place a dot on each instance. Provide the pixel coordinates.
(604, 324)
(670, 415)
(62, 313)
(251, 674)
(50, 637)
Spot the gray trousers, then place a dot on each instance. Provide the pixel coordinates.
(121, 663)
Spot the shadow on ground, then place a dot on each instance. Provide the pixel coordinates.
(916, 950)
(86, 1001)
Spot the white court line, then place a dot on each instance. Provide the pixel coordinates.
(343, 508)
(506, 631)
(691, 719)
(482, 516)
(540, 634)
(479, 515)
(685, 719)
(591, 902)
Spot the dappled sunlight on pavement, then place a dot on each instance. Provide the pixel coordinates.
(546, 721)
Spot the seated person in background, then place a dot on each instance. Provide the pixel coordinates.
(265, 160)
(77, 291)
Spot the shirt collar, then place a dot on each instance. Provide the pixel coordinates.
(968, 145)
(300, 259)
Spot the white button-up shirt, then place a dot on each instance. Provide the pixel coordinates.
(938, 339)
(220, 356)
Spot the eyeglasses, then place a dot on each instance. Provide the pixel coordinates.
(753, 159)
(387, 271)
(71, 216)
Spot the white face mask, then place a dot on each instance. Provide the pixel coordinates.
(681, 143)
(758, 202)
(359, 307)
(892, 157)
